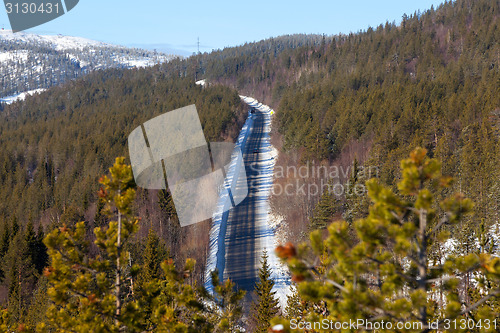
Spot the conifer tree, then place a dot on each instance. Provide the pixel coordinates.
(4, 247)
(294, 305)
(118, 192)
(20, 271)
(225, 310)
(31, 241)
(83, 289)
(356, 203)
(41, 255)
(324, 210)
(15, 228)
(87, 293)
(5, 240)
(154, 254)
(266, 306)
(386, 274)
(36, 312)
(150, 270)
(176, 306)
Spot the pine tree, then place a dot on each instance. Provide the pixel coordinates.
(356, 202)
(225, 310)
(118, 193)
(15, 228)
(87, 294)
(21, 272)
(5, 240)
(294, 305)
(83, 290)
(99, 217)
(4, 247)
(386, 274)
(266, 306)
(150, 270)
(31, 241)
(170, 304)
(170, 229)
(324, 211)
(41, 256)
(36, 312)
(154, 254)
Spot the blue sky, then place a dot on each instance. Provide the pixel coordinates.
(176, 25)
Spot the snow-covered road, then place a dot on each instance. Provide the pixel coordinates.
(240, 236)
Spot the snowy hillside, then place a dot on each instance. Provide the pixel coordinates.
(20, 96)
(58, 42)
(29, 62)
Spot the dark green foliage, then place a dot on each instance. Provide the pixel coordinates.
(21, 275)
(225, 310)
(36, 312)
(41, 257)
(432, 82)
(386, 274)
(266, 306)
(4, 246)
(97, 294)
(324, 211)
(5, 240)
(53, 147)
(356, 199)
(294, 305)
(154, 254)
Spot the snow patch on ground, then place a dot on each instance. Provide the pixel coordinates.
(17, 55)
(201, 82)
(452, 246)
(20, 96)
(74, 58)
(139, 62)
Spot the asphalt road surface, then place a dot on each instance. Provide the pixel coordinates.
(242, 238)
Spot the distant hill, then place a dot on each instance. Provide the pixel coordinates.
(431, 81)
(29, 61)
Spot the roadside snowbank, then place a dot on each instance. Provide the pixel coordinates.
(216, 248)
(266, 222)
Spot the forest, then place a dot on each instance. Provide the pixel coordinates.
(418, 101)
(55, 148)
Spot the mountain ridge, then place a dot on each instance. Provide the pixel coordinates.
(30, 61)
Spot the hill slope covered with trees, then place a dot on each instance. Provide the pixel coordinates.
(365, 99)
